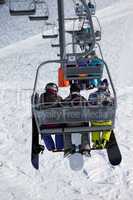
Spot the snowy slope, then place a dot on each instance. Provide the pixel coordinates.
(25, 28)
(58, 178)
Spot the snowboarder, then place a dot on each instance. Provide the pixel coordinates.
(51, 97)
(75, 99)
(101, 96)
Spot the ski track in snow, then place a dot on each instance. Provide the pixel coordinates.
(97, 179)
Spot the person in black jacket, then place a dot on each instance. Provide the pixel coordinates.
(49, 98)
(75, 99)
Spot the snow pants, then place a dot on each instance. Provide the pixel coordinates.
(68, 140)
(96, 136)
(50, 144)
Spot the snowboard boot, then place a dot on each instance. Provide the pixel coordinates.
(105, 139)
(96, 140)
(85, 150)
(38, 149)
(103, 143)
(69, 151)
(97, 144)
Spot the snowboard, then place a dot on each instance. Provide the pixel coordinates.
(36, 147)
(113, 151)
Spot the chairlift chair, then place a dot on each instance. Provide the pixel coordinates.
(82, 67)
(51, 32)
(82, 32)
(78, 68)
(22, 7)
(42, 12)
(86, 36)
(76, 116)
(63, 115)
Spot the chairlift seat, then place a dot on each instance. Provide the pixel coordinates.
(41, 11)
(52, 33)
(73, 26)
(22, 7)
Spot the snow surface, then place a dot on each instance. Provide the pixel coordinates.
(58, 178)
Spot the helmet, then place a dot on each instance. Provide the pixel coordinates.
(103, 85)
(51, 88)
(74, 88)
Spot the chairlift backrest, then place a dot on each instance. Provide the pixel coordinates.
(79, 67)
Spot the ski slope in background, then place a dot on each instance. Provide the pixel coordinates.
(96, 179)
(24, 28)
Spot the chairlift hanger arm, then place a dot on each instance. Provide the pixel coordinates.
(39, 67)
(108, 72)
(95, 5)
(111, 82)
(98, 22)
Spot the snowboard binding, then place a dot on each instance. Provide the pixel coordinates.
(38, 149)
